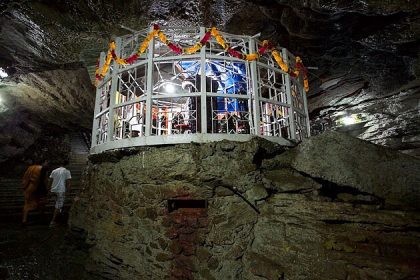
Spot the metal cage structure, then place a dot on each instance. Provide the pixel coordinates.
(165, 98)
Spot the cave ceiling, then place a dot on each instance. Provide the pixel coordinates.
(363, 54)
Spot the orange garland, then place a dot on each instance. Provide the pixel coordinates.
(156, 32)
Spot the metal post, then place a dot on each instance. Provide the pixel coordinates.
(95, 125)
(256, 118)
(112, 94)
(289, 98)
(203, 88)
(142, 119)
(305, 105)
(149, 86)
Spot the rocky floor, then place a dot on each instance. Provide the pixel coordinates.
(37, 251)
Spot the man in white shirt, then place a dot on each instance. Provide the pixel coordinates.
(59, 183)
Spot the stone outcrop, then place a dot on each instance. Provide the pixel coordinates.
(363, 168)
(251, 210)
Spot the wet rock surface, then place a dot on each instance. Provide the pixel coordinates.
(36, 106)
(39, 252)
(269, 213)
(365, 52)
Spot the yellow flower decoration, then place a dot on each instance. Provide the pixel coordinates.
(280, 61)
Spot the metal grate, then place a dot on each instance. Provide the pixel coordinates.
(164, 98)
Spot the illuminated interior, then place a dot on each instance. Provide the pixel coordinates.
(207, 96)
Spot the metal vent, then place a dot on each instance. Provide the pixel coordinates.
(175, 204)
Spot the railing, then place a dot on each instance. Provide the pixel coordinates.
(87, 138)
(164, 98)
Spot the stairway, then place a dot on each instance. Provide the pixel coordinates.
(77, 164)
(11, 196)
(11, 192)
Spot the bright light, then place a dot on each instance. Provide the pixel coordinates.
(169, 88)
(3, 74)
(348, 120)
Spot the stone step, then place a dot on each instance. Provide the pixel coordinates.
(14, 182)
(79, 157)
(11, 187)
(11, 192)
(76, 171)
(15, 191)
(12, 198)
(78, 160)
(78, 163)
(21, 203)
(17, 209)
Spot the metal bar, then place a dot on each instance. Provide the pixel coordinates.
(278, 70)
(140, 99)
(301, 112)
(149, 85)
(182, 138)
(129, 29)
(234, 36)
(177, 57)
(95, 123)
(228, 95)
(127, 68)
(102, 113)
(104, 80)
(173, 28)
(203, 89)
(280, 89)
(289, 99)
(271, 101)
(230, 58)
(306, 114)
(112, 93)
(256, 93)
(175, 95)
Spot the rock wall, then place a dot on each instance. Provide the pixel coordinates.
(334, 207)
(37, 106)
(363, 54)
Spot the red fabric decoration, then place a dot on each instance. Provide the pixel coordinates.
(175, 48)
(291, 73)
(114, 55)
(235, 53)
(302, 68)
(269, 45)
(132, 58)
(262, 50)
(206, 38)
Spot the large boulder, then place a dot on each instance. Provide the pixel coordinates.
(344, 162)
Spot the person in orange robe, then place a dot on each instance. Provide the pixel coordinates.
(34, 183)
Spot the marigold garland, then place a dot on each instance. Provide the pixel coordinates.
(279, 60)
(156, 32)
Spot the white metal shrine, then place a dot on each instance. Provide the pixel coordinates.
(166, 98)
